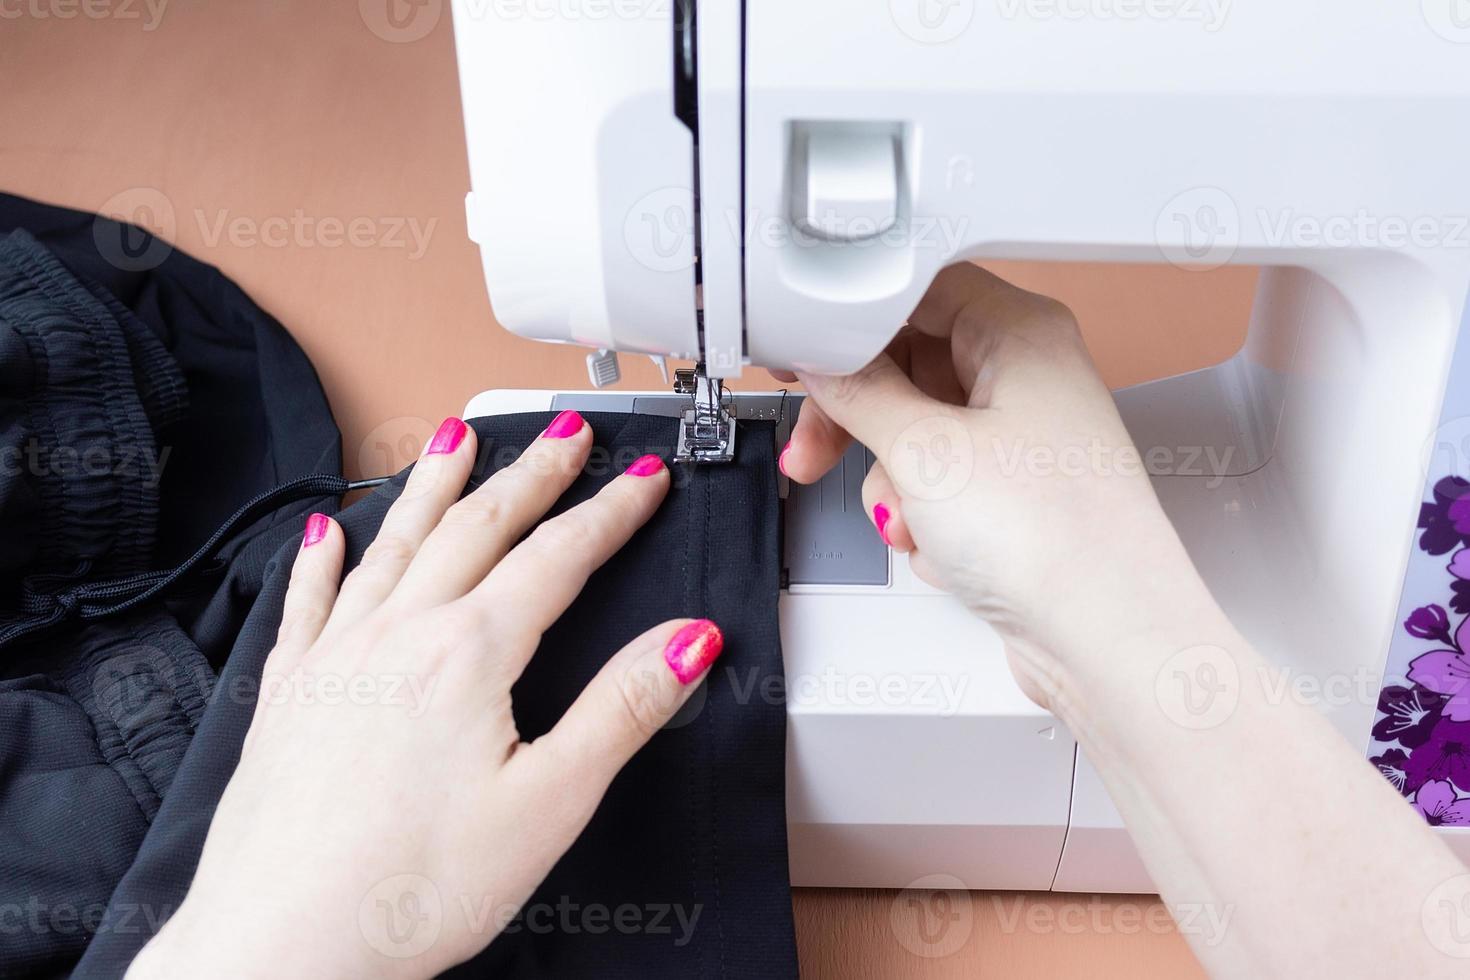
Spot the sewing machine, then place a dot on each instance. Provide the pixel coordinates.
(775, 184)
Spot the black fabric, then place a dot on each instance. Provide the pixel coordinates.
(690, 841)
(140, 403)
(143, 398)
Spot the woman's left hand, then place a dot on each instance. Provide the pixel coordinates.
(396, 826)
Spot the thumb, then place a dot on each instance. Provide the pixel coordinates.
(903, 427)
(632, 697)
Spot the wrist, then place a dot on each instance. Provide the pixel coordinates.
(1149, 644)
(246, 945)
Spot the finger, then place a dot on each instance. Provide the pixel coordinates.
(877, 404)
(785, 377)
(815, 446)
(635, 694)
(534, 584)
(478, 530)
(310, 593)
(960, 286)
(1009, 345)
(882, 501)
(437, 480)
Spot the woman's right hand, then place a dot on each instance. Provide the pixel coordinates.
(1005, 472)
(1011, 482)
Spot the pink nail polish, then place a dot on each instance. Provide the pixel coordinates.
(447, 439)
(693, 649)
(564, 426)
(645, 466)
(316, 529)
(881, 516)
(781, 459)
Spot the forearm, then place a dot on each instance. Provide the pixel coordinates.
(1210, 771)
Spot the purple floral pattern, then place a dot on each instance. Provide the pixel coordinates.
(1421, 739)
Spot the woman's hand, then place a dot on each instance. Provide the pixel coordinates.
(414, 777)
(1004, 470)
(1006, 473)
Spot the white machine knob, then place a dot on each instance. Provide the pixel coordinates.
(849, 191)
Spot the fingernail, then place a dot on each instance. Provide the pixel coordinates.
(447, 439)
(645, 466)
(316, 529)
(564, 426)
(781, 459)
(693, 649)
(881, 516)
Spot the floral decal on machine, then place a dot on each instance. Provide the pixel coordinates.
(1422, 736)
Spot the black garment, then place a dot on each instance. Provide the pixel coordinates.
(112, 371)
(117, 735)
(691, 839)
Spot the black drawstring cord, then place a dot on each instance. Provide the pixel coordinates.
(94, 600)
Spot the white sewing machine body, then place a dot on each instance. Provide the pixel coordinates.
(845, 153)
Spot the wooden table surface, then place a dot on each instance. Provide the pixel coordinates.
(314, 152)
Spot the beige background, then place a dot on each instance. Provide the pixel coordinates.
(224, 125)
